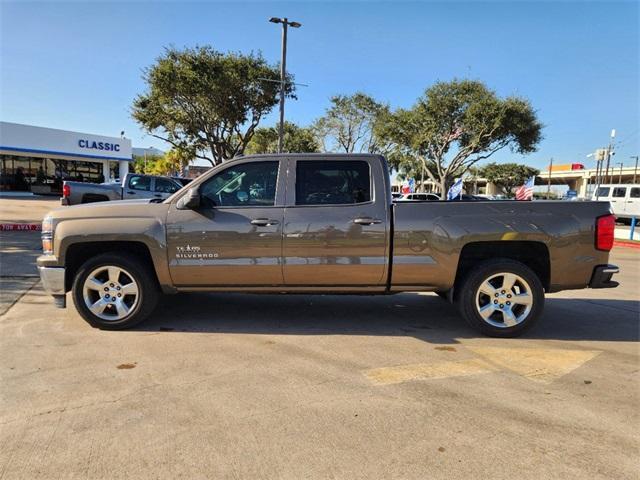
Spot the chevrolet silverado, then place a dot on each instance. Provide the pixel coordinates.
(326, 224)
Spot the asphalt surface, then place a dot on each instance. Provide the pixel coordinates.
(343, 387)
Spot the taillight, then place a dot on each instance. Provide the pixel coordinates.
(66, 190)
(605, 227)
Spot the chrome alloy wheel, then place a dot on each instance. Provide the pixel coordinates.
(504, 300)
(110, 293)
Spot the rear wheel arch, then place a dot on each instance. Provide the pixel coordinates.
(533, 254)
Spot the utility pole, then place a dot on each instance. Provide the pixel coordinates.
(635, 170)
(549, 179)
(609, 154)
(283, 73)
(620, 174)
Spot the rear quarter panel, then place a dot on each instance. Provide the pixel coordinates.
(429, 237)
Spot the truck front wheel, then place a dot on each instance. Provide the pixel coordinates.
(501, 298)
(114, 292)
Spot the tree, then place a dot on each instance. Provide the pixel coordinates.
(145, 165)
(296, 140)
(457, 124)
(171, 163)
(349, 124)
(507, 176)
(206, 101)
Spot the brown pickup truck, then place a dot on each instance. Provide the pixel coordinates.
(323, 224)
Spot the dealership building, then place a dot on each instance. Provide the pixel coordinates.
(39, 159)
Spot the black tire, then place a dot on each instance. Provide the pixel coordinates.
(145, 280)
(469, 300)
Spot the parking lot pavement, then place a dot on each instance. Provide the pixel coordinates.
(18, 273)
(26, 209)
(233, 386)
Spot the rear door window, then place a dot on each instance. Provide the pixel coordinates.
(619, 192)
(635, 193)
(603, 192)
(164, 185)
(332, 182)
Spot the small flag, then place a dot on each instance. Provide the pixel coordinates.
(455, 190)
(525, 192)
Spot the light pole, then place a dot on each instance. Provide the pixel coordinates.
(620, 174)
(635, 170)
(283, 73)
(610, 153)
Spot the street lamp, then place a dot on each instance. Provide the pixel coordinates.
(283, 73)
(635, 170)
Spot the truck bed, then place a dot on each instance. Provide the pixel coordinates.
(428, 238)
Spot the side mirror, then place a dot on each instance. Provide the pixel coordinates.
(189, 201)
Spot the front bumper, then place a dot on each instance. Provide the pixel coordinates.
(601, 277)
(53, 283)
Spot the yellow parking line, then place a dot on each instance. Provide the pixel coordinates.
(404, 373)
(539, 364)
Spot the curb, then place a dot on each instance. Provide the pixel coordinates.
(8, 227)
(626, 243)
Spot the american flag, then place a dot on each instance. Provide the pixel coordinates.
(525, 192)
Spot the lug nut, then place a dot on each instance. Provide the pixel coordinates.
(503, 292)
(106, 289)
(119, 294)
(113, 285)
(495, 301)
(107, 297)
(118, 288)
(501, 305)
(508, 303)
(509, 295)
(497, 294)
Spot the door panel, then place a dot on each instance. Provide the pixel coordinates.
(222, 247)
(235, 237)
(336, 226)
(138, 186)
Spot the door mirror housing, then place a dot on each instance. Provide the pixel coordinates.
(189, 201)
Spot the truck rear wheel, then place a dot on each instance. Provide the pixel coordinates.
(114, 292)
(501, 298)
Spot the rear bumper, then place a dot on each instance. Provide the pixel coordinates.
(601, 277)
(64, 201)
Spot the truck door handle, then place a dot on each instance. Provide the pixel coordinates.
(366, 221)
(130, 192)
(264, 222)
(157, 195)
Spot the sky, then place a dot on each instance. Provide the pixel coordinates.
(77, 65)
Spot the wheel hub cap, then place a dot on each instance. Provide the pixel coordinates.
(110, 293)
(504, 300)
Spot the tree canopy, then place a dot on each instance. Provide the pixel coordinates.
(206, 101)
(507, 176)
(348, 125)
(171, 163)
(455, 125)
(296, 140)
